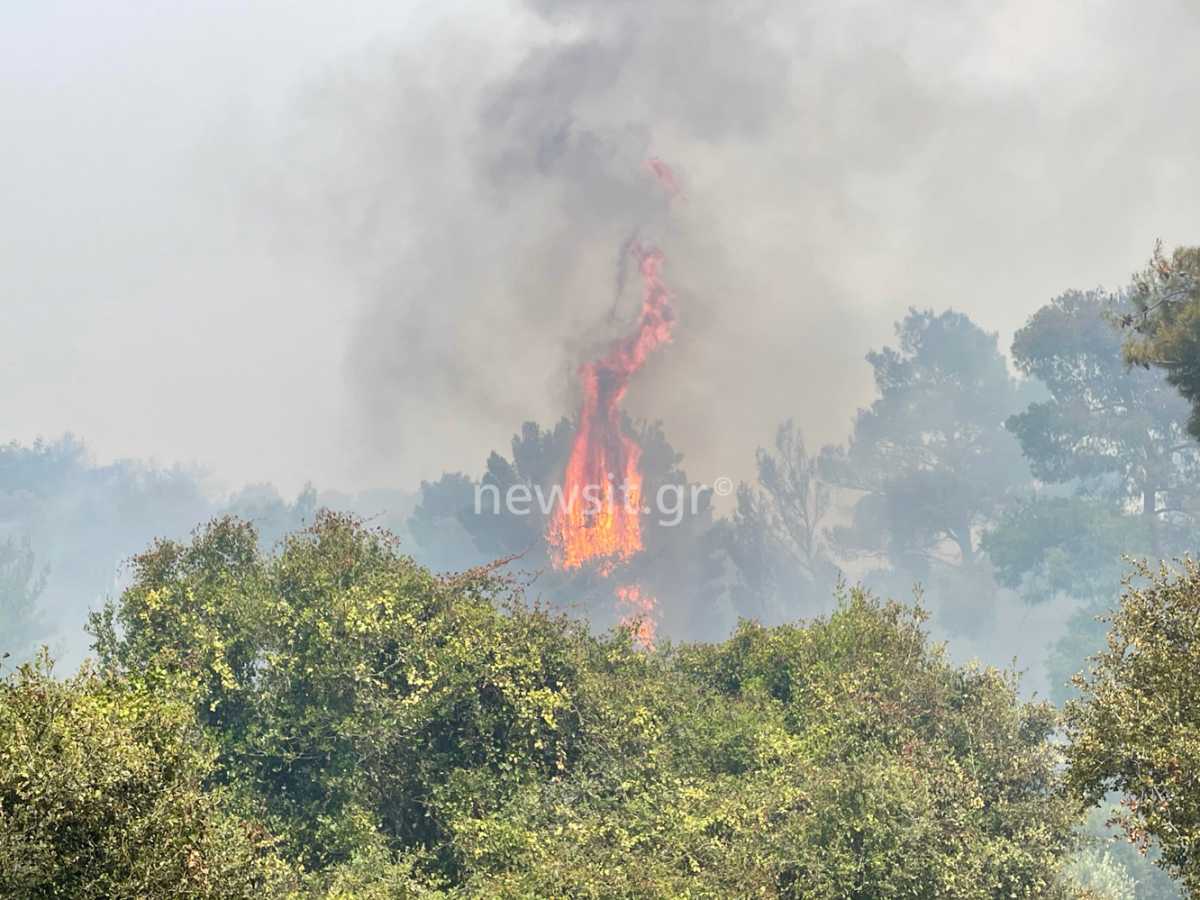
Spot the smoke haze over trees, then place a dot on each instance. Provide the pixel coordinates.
(374, 202)
(1010, 500)
(296, 299)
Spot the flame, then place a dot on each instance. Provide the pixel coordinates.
(639, 614)
(600, 516)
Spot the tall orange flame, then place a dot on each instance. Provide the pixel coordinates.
(599, 517)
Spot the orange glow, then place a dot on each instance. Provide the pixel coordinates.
(637, 613)
(600, 516)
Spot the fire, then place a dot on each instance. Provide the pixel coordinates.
(638, 614)
(600, 516)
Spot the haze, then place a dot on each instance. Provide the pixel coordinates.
(359, 246)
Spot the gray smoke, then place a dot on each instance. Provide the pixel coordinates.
(839, 165)
(371, 246)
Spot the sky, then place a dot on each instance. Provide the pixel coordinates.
(360, 245)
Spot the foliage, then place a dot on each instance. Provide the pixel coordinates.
(1136, 728)
(102, 795)
(681, 566)
(1072, 545)
(1166, 325)
(345, 684)
(843, 758)
(1107, 863)
(1113, 442)
(774, 538)
(1084, 636)
(84, 518)
(1111, 431)
(439, 524)
(930, 456)
(1097, 875)
(272, 516)
(406, 735)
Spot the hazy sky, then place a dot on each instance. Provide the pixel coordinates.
(359, 245)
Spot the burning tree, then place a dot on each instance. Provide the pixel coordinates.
(599, 518)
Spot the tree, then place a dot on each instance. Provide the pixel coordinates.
(346, 686)
(461, 523)
(1166, 323)
(1071, 546)
(839, 757)
(1110, 866)
(1074, 545)
(85, 519)
(439, 523)
(1111, 444)
(21, 584)
(1109, 431)
(272, 516)
(774, 538)
(930, 458)
(538, 458)
(1136, 729)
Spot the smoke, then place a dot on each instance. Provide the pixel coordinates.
(397, 228)
(839, 164)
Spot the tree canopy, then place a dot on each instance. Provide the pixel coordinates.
(1107, 428)
(106, 791)
(930, 456)
(1166, 324)
(1136, 728)
(376, 728)
(775, 539)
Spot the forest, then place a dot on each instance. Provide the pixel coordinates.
(957, 655)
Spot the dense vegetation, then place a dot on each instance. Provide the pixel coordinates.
(335, 718)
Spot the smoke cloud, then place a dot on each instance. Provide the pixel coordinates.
(399, 232)
(839, 165)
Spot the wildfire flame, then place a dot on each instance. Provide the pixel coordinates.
(599, 518)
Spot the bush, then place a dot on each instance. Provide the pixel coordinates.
(102, 795)
(407, 735)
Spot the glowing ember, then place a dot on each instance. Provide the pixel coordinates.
(638, 614)
(600, 517)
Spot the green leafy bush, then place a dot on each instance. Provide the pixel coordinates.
(104, 794)
(397, 734)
